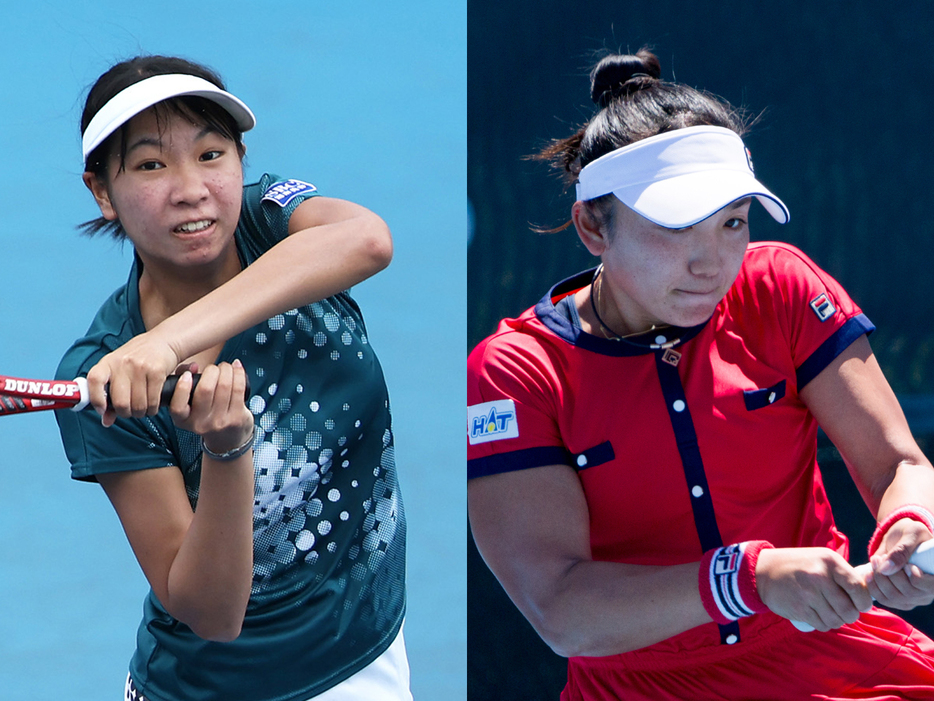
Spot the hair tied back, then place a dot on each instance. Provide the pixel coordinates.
(619, 75)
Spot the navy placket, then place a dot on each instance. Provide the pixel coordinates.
(666, 362)
(705, 520)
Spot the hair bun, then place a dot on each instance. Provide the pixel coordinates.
(616, 75)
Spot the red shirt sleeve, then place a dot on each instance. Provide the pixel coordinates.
(513, 394)
(816, 316)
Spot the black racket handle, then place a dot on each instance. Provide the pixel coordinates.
(168, 389)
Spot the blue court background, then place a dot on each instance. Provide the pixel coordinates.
(365, 99)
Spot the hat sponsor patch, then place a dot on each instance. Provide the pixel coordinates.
(822, 307)
(492, 421)
(285, 191)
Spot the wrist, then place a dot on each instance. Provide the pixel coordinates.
(915, 512)
(164, 334)
(230, 454)
(727, 581)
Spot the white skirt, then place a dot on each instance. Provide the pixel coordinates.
(385, 679)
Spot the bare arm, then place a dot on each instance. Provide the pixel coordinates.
(532, 529)
(199, 564)
(855, 406)
(333, 244)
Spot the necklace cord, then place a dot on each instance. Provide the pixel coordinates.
(604, 328)
(607, 331)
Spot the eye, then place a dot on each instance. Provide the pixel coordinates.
(211, 155)
(150, 165)
(735, 223)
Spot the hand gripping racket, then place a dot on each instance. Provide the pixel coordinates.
(19, 396)
(923, 558)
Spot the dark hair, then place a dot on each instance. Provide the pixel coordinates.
(198, 110)
(635, 103)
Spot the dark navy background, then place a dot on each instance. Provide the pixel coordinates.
(844, 95)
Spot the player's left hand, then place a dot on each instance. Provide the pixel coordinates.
(894, 582)
(215, 409)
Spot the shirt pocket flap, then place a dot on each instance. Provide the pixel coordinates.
(759, 398)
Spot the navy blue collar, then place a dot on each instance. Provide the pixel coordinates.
(648, 342)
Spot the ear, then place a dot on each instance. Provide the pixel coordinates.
(101, 195)
(588, 228)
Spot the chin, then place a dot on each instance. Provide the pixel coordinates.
(687, 319)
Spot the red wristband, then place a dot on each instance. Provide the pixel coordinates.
(913, 511)
(727, 581)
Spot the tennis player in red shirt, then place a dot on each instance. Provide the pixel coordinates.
(642, 448)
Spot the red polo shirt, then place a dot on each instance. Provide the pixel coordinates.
(683, 438)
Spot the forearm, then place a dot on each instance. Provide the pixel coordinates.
(305, 267)
(606, 608)
(859, 412)
(912, 483)
(538, 546)
(902, 528)
(210, 578)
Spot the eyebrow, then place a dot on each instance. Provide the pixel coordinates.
(144, 141)
(157, 142)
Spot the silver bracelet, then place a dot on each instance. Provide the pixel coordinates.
(230, 454)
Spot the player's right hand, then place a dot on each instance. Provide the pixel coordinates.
(813, 585)
(128, 381)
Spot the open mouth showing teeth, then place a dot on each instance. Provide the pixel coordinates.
(194, 227)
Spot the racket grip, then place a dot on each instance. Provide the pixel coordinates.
(168, 389)
(922, 558)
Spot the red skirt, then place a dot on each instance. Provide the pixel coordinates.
(880, 657)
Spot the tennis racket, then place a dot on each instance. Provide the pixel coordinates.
(20, 396)
(923, 558)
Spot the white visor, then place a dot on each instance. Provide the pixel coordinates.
(679, 178)
(129, 102)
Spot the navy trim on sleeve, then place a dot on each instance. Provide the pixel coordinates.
(832, 347)
(598, 455)
(517, 460)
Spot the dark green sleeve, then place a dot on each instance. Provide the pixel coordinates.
(130, 444)
(265, 222)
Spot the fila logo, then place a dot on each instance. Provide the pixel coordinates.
(749, 161)
(822, 307)
(726, 562)
(492, 421)
(48, 389)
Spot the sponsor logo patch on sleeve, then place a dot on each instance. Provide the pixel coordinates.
(492, 421)
(822, 307)
(285, 191)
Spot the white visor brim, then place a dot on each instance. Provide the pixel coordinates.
(679, 178)
(683, 201)
(140, 96)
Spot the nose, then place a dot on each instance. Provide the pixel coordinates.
(706, 255)
(190, 187)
